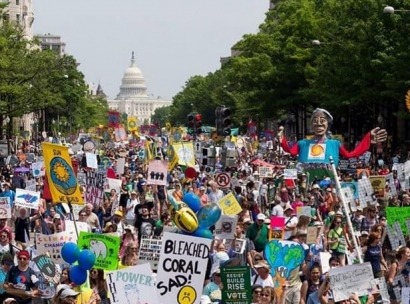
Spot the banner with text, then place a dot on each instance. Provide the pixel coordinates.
(5, 208)
(53, 243)
(237, 285)
(27, 199)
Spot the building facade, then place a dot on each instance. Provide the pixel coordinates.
(133, 98)
(21, 12)
(52, 43)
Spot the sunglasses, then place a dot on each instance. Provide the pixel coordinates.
(258, 292)
(265, 295)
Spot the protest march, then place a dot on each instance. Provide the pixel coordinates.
(164, 217)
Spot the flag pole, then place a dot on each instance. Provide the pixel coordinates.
(346, 211)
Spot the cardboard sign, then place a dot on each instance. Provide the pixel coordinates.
(312, 235)
(265, 172)
(181, 269)
(157, 172)
(290, 173)
(225, 227)
(133, 284)
(149, 252)
(106, 249)
(27, 199)
(304, 211)
(120, 165)
(229, 205)
(378, 183)
(5, 208)
(38, 169)
(52, 244)
(357, 277)
(47, 268)
(31, 185)
(237, 285)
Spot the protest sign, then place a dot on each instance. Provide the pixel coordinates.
(5, 208)
(31, 185)
(185, 152)
(91, 160)
(366, 192)
(157, 172)
(290, 174)
(382, 286)
(311, 235)
(38, 169)
(229, 205)
(172, 157)
(324, 261)
(237, 285)
(398, 214)
(27, 199)
(47, 268)
(225, 227)
(265, 172)
(353, 186)
(149, 252)
(133, 284)
(94, 195)
(53, 243)
(304, 211)
(181, 268)
(61, 178)
(357, 277)
(405, 295)
(113, 184)
(81, 226)
(378, 184)
(277, 226)
(391, 189)
(105, 248)
(396, 236)
(120, 165)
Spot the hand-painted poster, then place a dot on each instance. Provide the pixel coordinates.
(105, 248)
(5, 208)
(52, 244)
(157, 172)
(27, 199)
(181, 269)
(132, 285)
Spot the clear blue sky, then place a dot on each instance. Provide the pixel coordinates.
(172, 39)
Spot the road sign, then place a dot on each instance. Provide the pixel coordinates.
(223, 179)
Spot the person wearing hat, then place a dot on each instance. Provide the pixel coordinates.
(262, 276)
(291, 221)
(321, 147)
(130, 207)
(213, 286)
(21, 277)
(258, 233)
(203, 197)
(357, 218)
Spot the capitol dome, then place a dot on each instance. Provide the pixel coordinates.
(133, 82)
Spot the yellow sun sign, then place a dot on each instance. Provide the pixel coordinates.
(408, 100)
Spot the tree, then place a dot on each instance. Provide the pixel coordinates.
(161, 115)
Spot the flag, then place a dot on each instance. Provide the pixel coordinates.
(113, 119)
(150, 149)
(62, 180)
(132, 123)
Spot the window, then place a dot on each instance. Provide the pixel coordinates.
(18, 18)
(17, 2)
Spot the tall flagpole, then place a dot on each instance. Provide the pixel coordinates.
(346, 211)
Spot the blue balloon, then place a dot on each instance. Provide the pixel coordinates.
(86, 259)
(208, 215)
(203, 233)
(70, 252)
(193, 201)
(78, 275)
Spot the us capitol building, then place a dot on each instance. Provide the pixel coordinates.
(133, 99)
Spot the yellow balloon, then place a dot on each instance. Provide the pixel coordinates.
(185, 219)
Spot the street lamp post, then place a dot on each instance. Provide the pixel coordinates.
(391, 10)
(7, 121)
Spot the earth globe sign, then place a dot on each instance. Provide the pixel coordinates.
(62, 176)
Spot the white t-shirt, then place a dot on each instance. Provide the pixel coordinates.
(268, 282)
(290, 221)
(131, 206)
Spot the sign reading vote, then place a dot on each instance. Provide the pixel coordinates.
(237, 285)
(181, 268)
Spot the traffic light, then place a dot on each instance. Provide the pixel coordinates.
(190, 120)
(223, 121)
(198, 123)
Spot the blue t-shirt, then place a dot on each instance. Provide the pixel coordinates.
(310, 151)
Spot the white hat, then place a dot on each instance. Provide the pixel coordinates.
(287, 207)
(261, 217)
(9, 300)
(68, 292)
(315, 186)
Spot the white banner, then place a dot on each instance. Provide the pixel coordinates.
(53, 243)
(91, 159)
(157, 172)
(120, 165)
(113, 183)
(182, 266)
(132, 285)
(27, 199)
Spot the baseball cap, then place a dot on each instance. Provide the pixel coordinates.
(262, 264)
(23, 253)
(68, 292)
(261, 217)
(315, 186)
(202, 188)
(119, 213)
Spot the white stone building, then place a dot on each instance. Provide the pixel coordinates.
(133, 98)
(21, 12)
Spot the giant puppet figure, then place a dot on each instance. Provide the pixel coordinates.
(316, 151)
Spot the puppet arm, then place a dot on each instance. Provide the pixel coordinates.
(294, 151)
(361, 148)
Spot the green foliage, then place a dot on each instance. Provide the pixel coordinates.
(161, 115)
